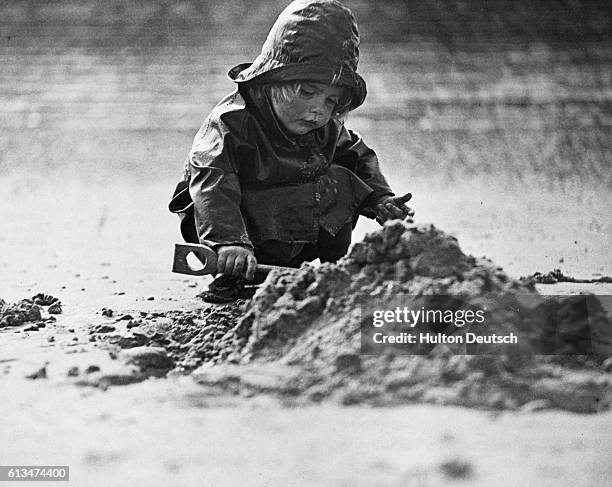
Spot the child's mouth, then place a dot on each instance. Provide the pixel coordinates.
(310, 124)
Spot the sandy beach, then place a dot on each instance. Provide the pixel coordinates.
(503, 141)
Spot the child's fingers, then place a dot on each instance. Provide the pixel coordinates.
(239, 265)
(403, 199)
(251, 263)
(221, 260)
(229, 264)
(395, 210)
(383, 212)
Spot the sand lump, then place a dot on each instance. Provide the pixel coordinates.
(556, 276)
(29, 312)
(188, 339)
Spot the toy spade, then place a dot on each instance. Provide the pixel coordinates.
(207, 257)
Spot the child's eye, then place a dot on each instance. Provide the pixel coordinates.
(307, 91)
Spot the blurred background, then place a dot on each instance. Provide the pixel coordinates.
(496, 115)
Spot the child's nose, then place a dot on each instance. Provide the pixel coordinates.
(320, 110)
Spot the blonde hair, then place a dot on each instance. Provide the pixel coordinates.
(287, 91)
(284, 91)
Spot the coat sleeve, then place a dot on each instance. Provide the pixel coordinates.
(214, 184)
(354, 154)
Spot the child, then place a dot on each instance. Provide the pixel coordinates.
(273, 175)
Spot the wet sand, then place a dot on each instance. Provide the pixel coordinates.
(173, 431)
(169, 433)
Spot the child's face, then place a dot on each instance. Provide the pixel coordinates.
(310, 108)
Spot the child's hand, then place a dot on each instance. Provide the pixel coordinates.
(394, 207)
(235, 260)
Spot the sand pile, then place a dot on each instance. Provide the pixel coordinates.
(301, 335)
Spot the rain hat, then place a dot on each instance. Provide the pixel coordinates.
(312, 40)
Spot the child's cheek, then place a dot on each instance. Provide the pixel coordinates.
(299, 108)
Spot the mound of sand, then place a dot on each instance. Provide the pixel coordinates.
(302, 333)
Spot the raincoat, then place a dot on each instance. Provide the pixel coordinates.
(247, 180)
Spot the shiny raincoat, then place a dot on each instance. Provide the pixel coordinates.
(247, 180)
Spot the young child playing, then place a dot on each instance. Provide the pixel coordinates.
(273, 176)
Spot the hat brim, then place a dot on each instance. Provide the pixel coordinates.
(266, 72)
